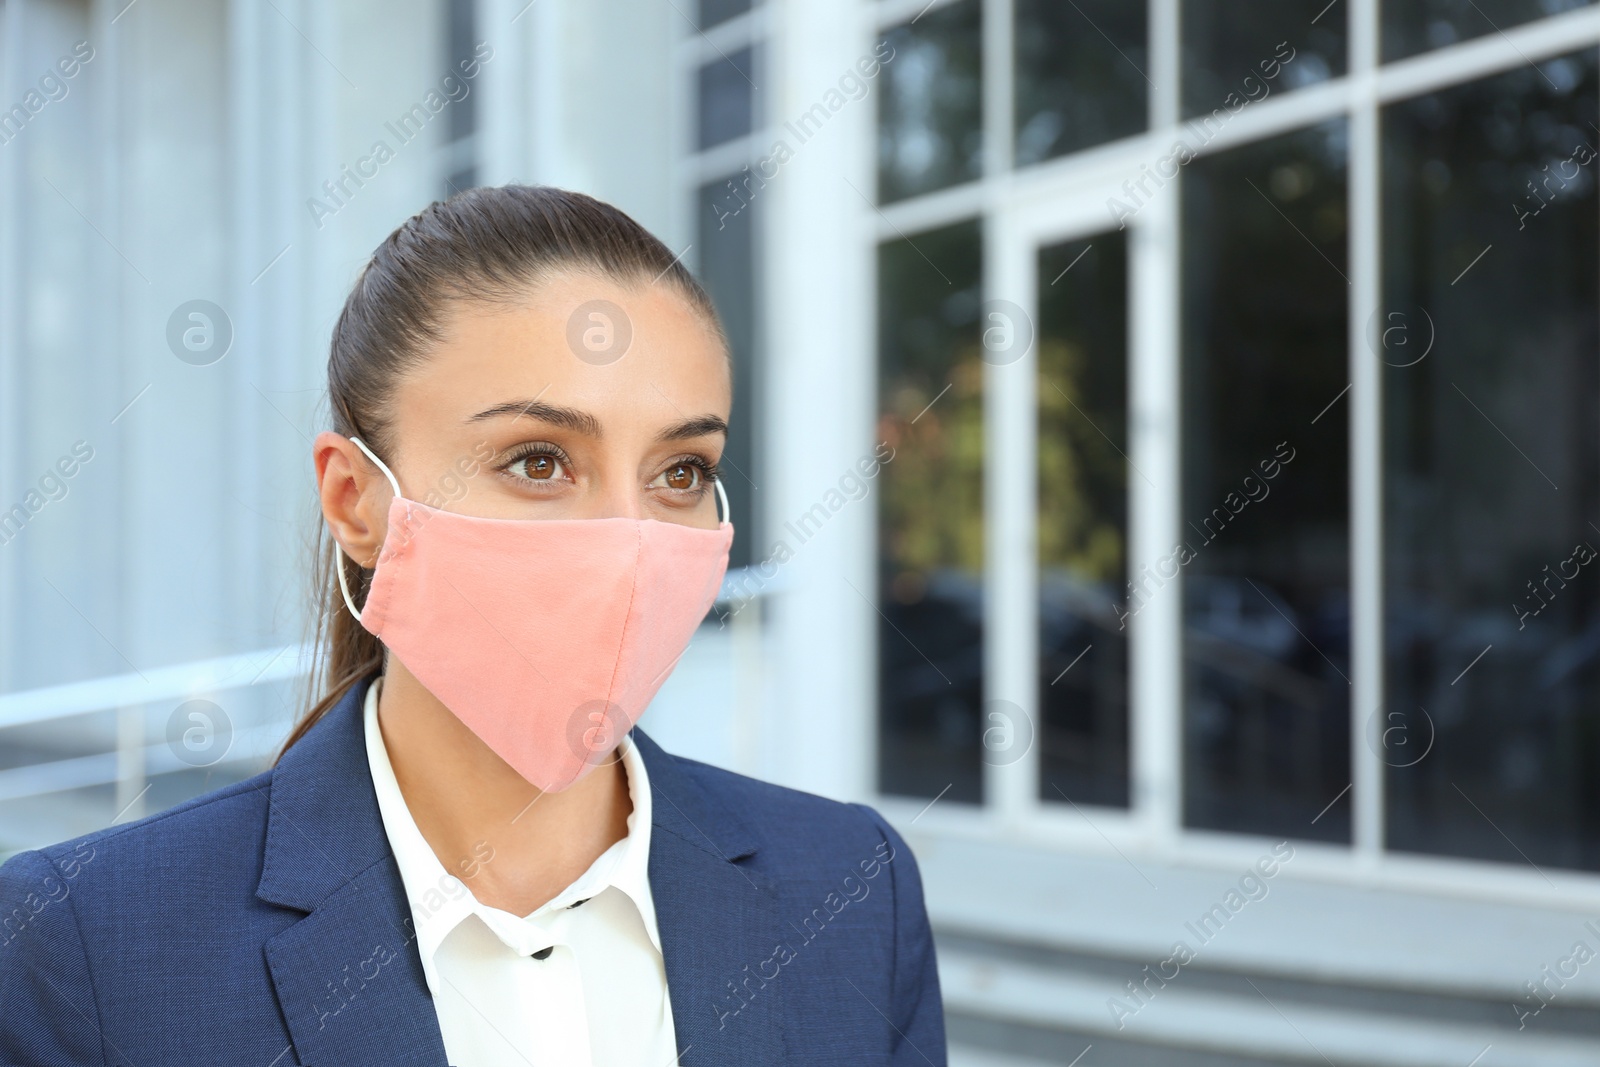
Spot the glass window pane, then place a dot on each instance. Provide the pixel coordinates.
(727, 98)
(1412, 26)
(930, 115)
(727, 268)
(930, 514)
(1083, 520)
(1492, 467)
(1265, 555)
(1082, 75)
(715, 12)
(462, 40)
(1248, 50)
(461, 37)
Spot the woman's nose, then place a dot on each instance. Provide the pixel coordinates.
(617, 498)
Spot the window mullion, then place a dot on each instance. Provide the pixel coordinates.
(1155, 655)
(1011, 713)
(1165, 63)
(999, 85)
(1366, 453)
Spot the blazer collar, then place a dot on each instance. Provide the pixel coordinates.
(718, 918)
(349, 978)
(325, 827)
(680, 805)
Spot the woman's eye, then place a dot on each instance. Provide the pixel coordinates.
(682, 476)
(539, 468)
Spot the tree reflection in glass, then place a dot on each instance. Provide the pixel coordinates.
(1083, 520)
(930, 514)
(1412, 26)
(930, 112)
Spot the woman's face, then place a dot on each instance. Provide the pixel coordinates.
(589, 399)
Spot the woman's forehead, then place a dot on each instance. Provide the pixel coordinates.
(579, 343)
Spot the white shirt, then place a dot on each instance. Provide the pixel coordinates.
(600, 994)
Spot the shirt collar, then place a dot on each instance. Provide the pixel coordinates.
(440, 901)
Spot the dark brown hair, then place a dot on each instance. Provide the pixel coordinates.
(487, 245)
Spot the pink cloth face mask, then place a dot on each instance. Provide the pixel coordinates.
(546, 637)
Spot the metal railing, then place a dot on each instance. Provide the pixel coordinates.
(133, 760)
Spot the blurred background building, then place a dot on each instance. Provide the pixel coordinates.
(1166, 456)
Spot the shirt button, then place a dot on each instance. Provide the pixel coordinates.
(544, 953)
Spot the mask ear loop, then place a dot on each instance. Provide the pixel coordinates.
(344, 587)
(727, 509)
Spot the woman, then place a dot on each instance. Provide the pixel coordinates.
(466, 853)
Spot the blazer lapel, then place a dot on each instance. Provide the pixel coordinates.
(717, 919)
(348, 978)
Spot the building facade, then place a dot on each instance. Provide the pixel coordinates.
(1166, 456)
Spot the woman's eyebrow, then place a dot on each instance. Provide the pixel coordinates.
(570, 418)
(699, 426)
(586, 424)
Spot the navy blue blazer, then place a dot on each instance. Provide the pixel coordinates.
(265, 924)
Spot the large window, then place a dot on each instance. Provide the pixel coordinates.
(1492, 464)
(1265, 554)
(461, 149)
(930, 402)
(1081, 77)
(1083, 520)
(930, 132)
(1254, 48)
(726, 192)
(725, 238)
(1313, 361)
(726, 99)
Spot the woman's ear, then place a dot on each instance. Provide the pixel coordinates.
(354, 496)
